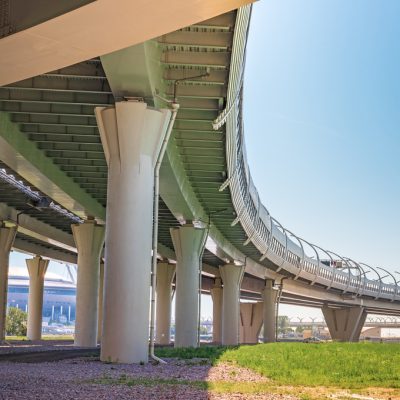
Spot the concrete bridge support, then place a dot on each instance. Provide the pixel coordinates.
(216, 294)
(269, 296)
(37, 268)
(189, 244)
(7, 236)
(165, 276)
(89, 239)
(100, 303)
(131, 135)
(232, 276)
(345, 324)
(251, 320)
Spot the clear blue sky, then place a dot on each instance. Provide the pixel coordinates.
(322, 123)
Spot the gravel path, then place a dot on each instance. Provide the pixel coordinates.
(90, 379)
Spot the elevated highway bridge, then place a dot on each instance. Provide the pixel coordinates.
(99, 116)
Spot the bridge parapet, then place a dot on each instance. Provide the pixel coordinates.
(274, 242)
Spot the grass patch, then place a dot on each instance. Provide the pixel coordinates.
(339, 365)
(210, 352)
(44, 337)
(344, 365)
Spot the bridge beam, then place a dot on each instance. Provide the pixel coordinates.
(269, 296)
(165, 276)
(37, 268)
(232, 276)
(345, 324)
(216, 295)
(89, 239)
(251, 320)
(189, 244)
(79, 35)
(7, 236)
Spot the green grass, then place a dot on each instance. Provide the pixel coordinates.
(210, 352)
(44, 337)
(342, 365)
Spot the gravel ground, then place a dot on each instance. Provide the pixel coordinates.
(74, 379)
(30, 346)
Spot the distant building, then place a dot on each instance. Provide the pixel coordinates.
(59, 301)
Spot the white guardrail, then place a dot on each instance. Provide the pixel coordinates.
(273, 241)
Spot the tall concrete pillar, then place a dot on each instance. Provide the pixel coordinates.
(269, 296)
(165, 276)
(89, 240)
(100, 303)
(251, 320)
(37, 268)
(188, 243)
(232, 276)
(131, 135)
(216, 294)
(7, 236)
(345, 324)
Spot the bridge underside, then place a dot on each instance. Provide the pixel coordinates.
(55, 163)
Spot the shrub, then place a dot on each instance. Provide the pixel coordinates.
(16, 322)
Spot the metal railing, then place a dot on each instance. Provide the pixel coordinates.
(272, 240)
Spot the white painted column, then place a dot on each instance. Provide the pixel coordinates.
(37, 268)
(269, 296)
(188, 243)
(165, 276)
(232, 276)
(251, 320)
(216, 294)
(100, 303)
(89, 240)
(7, 236)
(131, 135)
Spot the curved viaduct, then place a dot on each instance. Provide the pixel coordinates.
(99, 116)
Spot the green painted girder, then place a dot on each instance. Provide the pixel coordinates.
(198, 38)
(25, 148)
(64, 139)
(80, 161)
(22, 88)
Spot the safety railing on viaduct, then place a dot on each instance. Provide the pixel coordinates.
(274, 242)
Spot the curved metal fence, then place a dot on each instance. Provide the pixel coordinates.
(274, 242)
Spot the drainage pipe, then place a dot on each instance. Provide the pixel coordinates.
(174, 110)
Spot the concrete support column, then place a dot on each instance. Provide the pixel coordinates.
(345, 324)
(232, 276)
(131, 135)
(89, 240)
(37, 268)
(188, 243)
(251, 320)
(100, 303)
(7, 236)
(216, 294)
(269, 296)
(165, 276)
